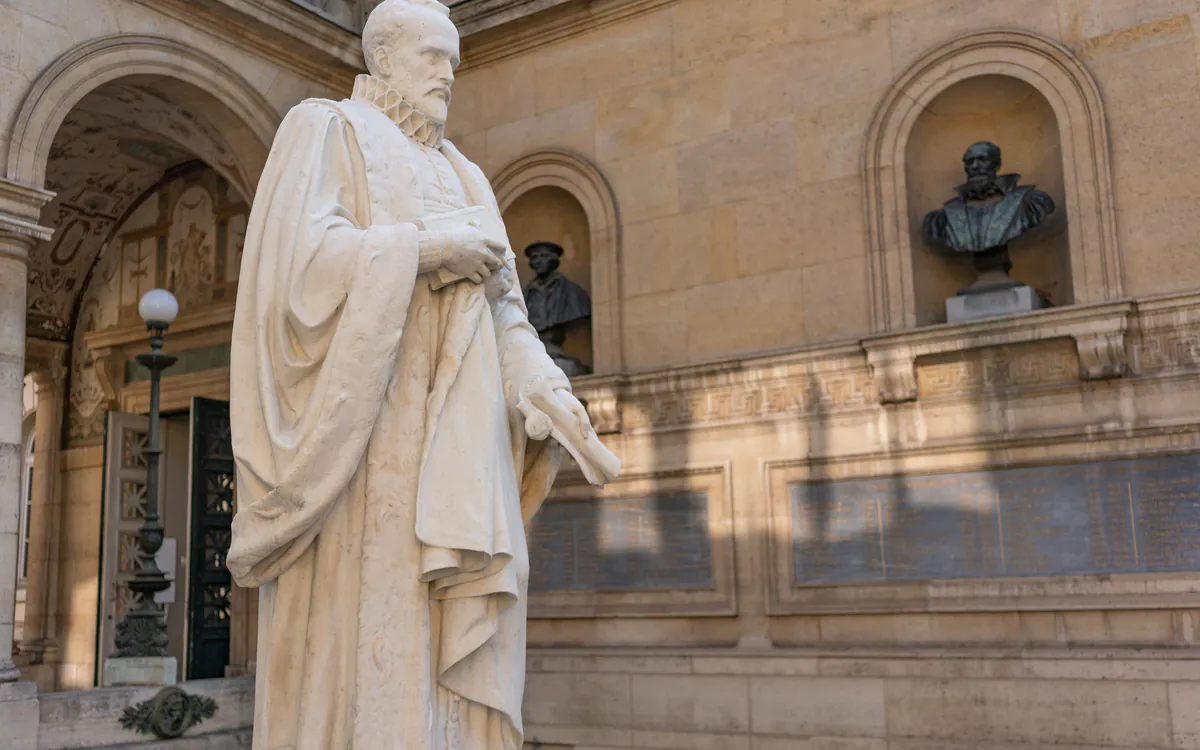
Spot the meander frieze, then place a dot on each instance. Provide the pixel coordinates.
(731, 394)
(1168, 335)
(998, 370)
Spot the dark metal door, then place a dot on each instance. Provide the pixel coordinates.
(212, 514)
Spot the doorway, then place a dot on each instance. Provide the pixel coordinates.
(196, 506)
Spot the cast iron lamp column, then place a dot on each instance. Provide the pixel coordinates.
(143, 632)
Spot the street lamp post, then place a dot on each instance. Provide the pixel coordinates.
(143, 632)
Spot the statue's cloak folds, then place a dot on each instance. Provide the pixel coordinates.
(383, 470)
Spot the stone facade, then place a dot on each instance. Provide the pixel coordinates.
(738, 182)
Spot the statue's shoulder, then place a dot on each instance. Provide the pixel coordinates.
(452, 152)
(345, 110)
(312, 111)
(315, 105)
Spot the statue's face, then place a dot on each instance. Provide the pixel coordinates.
(420, 62)
(543, 260)
(980, 163)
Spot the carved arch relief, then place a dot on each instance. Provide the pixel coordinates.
(584, 182)
(100, 61)
(1051, 69)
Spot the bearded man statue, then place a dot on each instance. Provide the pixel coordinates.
(396, 420)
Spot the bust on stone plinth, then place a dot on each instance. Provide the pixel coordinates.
(555, 304)
(990, 211)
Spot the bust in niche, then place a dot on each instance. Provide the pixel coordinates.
(556, 304)
(989, 211)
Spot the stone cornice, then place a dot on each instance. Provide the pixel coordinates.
(322, 50)
(1140, 339)
(47, 356)
(541, 22)
(292, 36)
(1098, 330)
(20, 211)
(135, 333)
(474, 16)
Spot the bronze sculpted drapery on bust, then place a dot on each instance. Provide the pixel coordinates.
(555, 303)
(989, 211)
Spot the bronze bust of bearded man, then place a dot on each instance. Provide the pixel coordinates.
(989, 211)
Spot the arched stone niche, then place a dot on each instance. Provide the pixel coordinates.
(1014, 115)
(556, 191)
(551, 214)
(1095, 273)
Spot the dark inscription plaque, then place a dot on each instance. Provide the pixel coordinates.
(1133, 516)
(655, 542)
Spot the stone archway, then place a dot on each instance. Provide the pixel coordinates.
(1072, 93)
(147, 104)
(102, 61)
(101, 128)
(577, 176)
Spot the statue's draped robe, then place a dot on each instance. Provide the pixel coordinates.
(384, 473)
(969, 226)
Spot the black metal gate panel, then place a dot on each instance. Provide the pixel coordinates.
(213, 486)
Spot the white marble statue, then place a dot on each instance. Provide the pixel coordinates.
(395, 420)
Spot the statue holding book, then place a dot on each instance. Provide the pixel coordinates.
(396, 420)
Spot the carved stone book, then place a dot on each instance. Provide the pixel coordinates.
(479, 217)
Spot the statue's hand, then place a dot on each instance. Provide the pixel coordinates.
(540, 392)
(500, 283)
(468, 251)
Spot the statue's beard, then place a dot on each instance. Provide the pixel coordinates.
(439, 120)
(417, 103)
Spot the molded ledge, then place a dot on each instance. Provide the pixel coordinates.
(1098, 330)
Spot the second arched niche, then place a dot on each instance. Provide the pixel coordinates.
(1015, 116)
(552, 215)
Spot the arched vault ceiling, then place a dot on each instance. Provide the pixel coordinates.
(115, 145)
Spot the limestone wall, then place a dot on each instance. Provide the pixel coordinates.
(862, 699)
(732, 135)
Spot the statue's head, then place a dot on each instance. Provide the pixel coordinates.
(413, 46)
(982, 162)
(543, 257)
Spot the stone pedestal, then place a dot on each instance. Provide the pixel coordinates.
(19, 716)
(145, 671)
(976, 305)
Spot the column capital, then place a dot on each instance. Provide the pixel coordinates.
(46, 361)
(20, 211)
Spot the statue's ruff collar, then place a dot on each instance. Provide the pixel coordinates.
(379, 94)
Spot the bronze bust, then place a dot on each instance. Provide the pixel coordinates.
(989, 211)
(555, 304)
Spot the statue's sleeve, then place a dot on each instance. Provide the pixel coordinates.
(522, 354)
(523, 357)
(322, 299)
